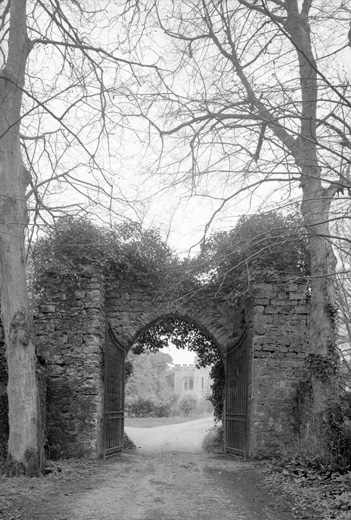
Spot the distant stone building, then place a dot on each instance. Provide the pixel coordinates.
(189, 379)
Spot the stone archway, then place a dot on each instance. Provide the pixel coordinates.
(70, 325)
(131, 309)
(183, 318)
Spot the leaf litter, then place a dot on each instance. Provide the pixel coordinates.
(315, 491)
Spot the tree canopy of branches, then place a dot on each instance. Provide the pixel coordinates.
(257, 94)
(147, 379)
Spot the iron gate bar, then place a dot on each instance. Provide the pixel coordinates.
(114, 394)
(236, 397)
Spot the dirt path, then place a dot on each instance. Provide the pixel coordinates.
(178, 486)
(168, 478)
(177, 437)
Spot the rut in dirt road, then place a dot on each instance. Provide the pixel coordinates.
(171, 478)
(178, 486)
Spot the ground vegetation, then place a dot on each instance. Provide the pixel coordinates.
(187, 405)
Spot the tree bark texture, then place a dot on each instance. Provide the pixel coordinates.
(316, 199)
(24, 447)
(316, 202)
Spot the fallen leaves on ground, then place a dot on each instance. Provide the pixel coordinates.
(16, 493)
(317, 491)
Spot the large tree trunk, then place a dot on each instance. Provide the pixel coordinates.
(316, 212)
(322, 361)
(24, 448)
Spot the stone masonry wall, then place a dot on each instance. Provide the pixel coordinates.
(70, 328)
(131, 309)
(279, 346)
(70, 320)
(71, 338)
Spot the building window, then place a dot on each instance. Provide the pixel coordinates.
(202, 383)
(191, 384)
(186, 385)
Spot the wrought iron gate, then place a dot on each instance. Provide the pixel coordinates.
(114, 395)
(236, 397)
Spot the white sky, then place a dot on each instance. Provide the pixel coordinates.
(181, 219)
(180, 356)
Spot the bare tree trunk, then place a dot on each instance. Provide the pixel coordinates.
(316, 204)
(24, 450)
(323, 350)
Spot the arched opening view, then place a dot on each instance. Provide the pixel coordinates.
(171, 371)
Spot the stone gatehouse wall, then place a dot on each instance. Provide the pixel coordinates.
(279, 345)
(70, 324)
(70, 328)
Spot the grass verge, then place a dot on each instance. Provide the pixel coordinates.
(150, 422)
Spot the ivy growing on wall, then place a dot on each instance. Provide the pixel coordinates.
(261, 248)
(75, 245)
(264, 247)
(323, 368)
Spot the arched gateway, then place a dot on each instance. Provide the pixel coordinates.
(86, 324)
